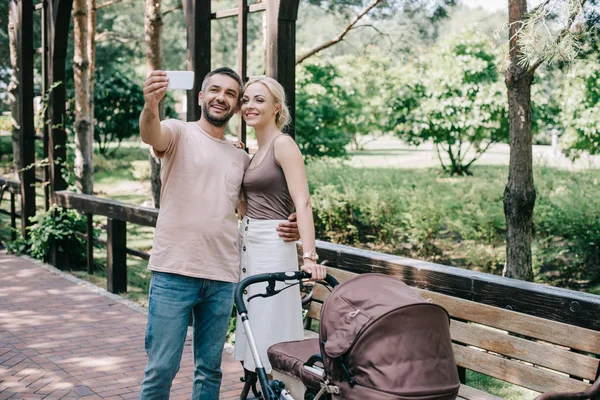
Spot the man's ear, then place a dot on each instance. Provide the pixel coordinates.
(200, 98)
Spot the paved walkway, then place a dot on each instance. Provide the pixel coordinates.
(61, 338)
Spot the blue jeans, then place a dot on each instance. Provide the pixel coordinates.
(172, 299)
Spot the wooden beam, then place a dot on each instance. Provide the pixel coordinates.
(117, 210)
(232, 12)
(197, 22)
(27, 139)
(281, 49)
(116, 263)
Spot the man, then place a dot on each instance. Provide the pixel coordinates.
(195, 260)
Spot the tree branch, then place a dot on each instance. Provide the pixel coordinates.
(563, 33)
(479, 153)
(437, 150)
(384, 34)
(170, 10)
(110, 3)
(108, 35)
(340, 36)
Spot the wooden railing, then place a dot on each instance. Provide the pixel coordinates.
(118, 215)
(568, 306)
(14, 188)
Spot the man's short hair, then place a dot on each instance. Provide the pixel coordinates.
(227, 72)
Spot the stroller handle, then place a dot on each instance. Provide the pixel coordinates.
(272, 278)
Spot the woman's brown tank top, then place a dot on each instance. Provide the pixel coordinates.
(266, 190)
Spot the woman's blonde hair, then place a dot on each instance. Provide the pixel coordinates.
(282, 118)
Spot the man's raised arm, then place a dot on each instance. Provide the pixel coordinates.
(155, 88)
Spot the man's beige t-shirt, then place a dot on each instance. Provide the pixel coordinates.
(197, 225)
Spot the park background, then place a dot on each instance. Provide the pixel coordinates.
(403, 123)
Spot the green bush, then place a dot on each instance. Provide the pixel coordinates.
(5, 123)
(140, 169)
(54, 226)
(459, 221)
(455, 97)
(567, 223)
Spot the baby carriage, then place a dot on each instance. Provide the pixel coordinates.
(378, 340)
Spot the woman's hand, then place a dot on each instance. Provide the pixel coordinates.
(238, 144)
(318, 272)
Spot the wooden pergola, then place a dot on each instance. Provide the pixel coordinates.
(281, 18)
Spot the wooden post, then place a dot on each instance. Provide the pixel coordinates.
(90, 243)
(58, 40)
(27, 139)
(13, 218)
(281, 50)
(46, 60)
(197, 22)
(116, 263)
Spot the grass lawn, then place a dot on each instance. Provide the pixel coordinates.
(497, 387)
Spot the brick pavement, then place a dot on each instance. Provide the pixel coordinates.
(61, 338)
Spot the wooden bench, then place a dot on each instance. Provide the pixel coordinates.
(528, 351)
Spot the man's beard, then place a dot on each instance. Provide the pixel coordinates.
(216, 121)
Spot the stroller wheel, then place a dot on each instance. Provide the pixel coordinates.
(250, 380)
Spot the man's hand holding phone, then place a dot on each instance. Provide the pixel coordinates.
(155, 88)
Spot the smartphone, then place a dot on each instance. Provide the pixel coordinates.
(180, 79)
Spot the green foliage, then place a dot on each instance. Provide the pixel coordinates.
(415, 213)
(118, 102)
(320, 110)
(454, 97)
(54, 226)
(567, 223)
(341, 101)
(368, 84)
(580, 114)
(5, 123)
(459, 221)
(140, 169)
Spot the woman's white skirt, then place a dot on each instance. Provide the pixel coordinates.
(274, 319)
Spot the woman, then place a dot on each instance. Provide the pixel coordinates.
(274, 185)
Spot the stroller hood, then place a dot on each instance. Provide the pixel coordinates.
(389, 339)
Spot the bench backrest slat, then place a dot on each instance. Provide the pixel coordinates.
(542, 354)
(515, 372)
(539, 328)
(525, 350)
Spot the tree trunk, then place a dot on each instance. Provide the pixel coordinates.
(83, 139)
(13, 87)
(519, 194)
(91, 52)
(153, 27)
